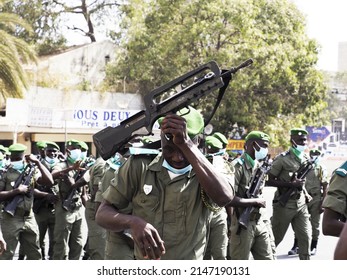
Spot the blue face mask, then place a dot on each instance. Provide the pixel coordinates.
(300, 148)
(262, 153)
(18, 165)
(83, 155)
(75, 154)
(176, 171)
(51, 160)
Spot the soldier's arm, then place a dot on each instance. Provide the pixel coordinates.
(340, 252)
(332, 225)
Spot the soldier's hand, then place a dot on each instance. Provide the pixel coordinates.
(147, 239)
(32, 158)
(52, 198)
(22, 189)
(260, 202)
(175, 126)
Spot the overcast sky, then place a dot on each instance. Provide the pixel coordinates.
(327, 23)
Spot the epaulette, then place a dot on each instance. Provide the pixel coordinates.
(342, 170)
(284, 153)
(142, 151)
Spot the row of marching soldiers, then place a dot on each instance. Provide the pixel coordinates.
(61, 194)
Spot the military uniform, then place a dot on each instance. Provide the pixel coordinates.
(315, 179)
(68, 231)
(21, 226)
(295, 211)
(336, 197)
(119, 245)
(217, 245)
(148, 185)
(96, 234)
(257, 238)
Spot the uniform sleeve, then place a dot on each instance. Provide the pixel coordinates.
(276, 167)
(337, 195)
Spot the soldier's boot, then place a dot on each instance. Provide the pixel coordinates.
(43, 253)
(295, 249)
(21, 257)
(313, 247)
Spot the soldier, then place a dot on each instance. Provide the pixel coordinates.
(257, 237)
(316, 186)
(19, 222)
(283, 176)
(218, 234)
(166, 194)
(335, 203)
(69, 237)
(45, 199)
(119, 245)
(96, 234)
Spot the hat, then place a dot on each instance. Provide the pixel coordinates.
(220, 137)
(83, 145)
(41, 144)
(2, 149)
(254, 135)
(298, 131)
(194, 120)
(72, 142)
(213, 142)
(17, 148)
(53, 144)
(315, 152)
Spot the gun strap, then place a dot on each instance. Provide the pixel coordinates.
(226, 76)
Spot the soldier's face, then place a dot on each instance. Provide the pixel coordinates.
(172, 154)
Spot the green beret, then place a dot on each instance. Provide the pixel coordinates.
(298, 131)
(254, 135)
(41, 144)
(194, 120)
(2, 149)
(213, 142)
(17, 148)
(220, 137)
(72, 142)
(52, 144)
(83, 145)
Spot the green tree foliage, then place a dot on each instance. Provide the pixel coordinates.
(164, 39)
(45, 22)
(13, 53)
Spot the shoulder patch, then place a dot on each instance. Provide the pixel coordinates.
(342, 170)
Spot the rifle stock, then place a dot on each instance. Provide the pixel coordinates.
(254, 190)
(170, 97)
(23, 179)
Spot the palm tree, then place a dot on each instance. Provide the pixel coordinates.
(14, 52)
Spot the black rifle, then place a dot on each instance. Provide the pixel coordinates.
(300, 174)
(255, 187)
(69, 204)
(23, 179)
(180, 92)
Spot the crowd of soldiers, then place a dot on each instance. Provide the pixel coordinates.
(175, 200)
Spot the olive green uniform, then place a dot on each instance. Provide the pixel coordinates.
(182, 221)
(68, 230)
(119, 246)
(217, 245)
(336, 197)
(258, 237)
(96, 234)
(45, 215)
(314, 181)
(295, 211)
(21, 227)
